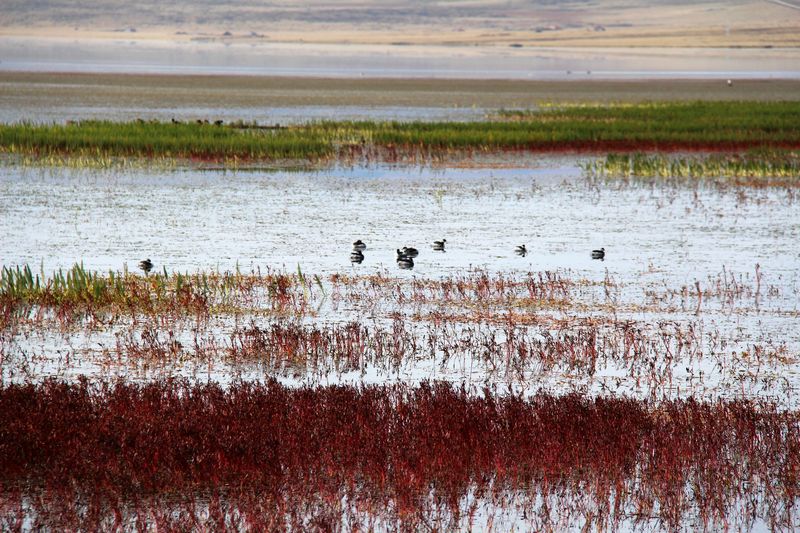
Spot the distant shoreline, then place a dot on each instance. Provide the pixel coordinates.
(129, 53)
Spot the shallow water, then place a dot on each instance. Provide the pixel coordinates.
(658, 238)
(188, 220)
(263, 115)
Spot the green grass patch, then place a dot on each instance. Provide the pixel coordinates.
(734, 126)
(755, 168)
(81, 291)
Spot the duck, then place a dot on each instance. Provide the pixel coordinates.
(599, 254)
(405, 262)
(356, 256)
(439, 245)
(359, 245)
(146, 265)
(410, 252)
(521, 250)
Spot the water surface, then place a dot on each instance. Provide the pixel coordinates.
(658, 238)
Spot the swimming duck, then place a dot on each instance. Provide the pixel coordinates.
(405, 262)
(359, 245)
(521, 250)
(356, 256)
(599, 254)
(146, 265)
(439, 245)
(410, 252)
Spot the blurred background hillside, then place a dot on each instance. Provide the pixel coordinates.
(731, 23)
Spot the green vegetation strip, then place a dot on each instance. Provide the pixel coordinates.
(662, 126)
(80, 290)
(756, 168)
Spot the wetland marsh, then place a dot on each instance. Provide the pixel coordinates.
(257, 377)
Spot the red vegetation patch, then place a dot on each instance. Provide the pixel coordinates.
(267, 456)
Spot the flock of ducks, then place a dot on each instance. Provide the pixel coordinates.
(405, 255)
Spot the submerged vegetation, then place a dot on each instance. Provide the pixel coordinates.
(522, 327)
(474, 295)
(663, 126)
(171, 455)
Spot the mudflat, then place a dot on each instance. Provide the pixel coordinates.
(109, 90)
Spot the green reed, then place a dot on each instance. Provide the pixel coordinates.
(771, 167)
(79, 290)
(667, 126)
(76, 284)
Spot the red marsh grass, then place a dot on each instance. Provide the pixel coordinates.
(262, 456)
(533, 297)
(474, 288)
(648, 354)
(727, 288)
